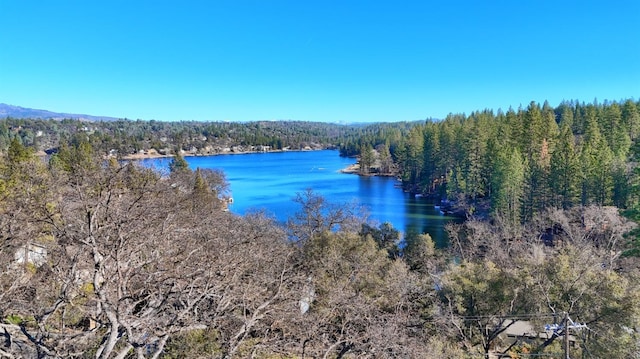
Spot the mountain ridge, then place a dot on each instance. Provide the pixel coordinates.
(13, 111)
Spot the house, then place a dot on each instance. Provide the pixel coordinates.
(525, 332)
(32, 253)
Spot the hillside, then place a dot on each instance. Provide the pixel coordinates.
(24, 112)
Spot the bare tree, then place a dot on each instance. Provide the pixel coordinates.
(130, 262)
(362, 303)
(564, 261)
(318, 215)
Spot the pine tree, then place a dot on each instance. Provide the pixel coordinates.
(475, 137)
(566, 115)
(564, 169)
(449, 152)
(534, 132)
(621, 183)
(17, 152)
(537, 155)
(631, 119)
(550, 124)
(615, 132)
(178, 164)
(415, 158)
(596, 159)
(508, 185)
(580, 118)
(513, 133)
(367, 158)
(431, 152)
(386, 163)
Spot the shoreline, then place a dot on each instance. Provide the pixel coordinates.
(353, 169)
(152, 154)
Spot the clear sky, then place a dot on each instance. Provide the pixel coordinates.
(311, 60)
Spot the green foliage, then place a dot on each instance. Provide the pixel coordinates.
(178, 164)
(358, 291)
(198, 343)
(100, 220)
(419, 252)
(28, 321)
(209, 189)
(367, 159)
(508, 185)
(633, 236)
(125, 137)
(571, 155)
(386, 162)
(481, 289)
(485, 297)
(76, 158)
(14, 319)
(506, 275)
(596, 159)
(453, 157)
(576, 282)
(565, 167)
(385, 236)
(18, 153)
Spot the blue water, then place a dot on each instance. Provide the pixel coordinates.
(270, 181)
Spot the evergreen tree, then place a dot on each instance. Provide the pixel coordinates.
(414, 159)
(385, 236)
(400, 157)
(17, 152)
(535, 152)
(631, 119)
(596, 159)
(565, 168)
(367, 159)
(178, 164)
(534, 132)
(418, 252)
(78, 159)
(449, 152)
(386, 162)
(507, 185)
(431, 150)
(476, 134)
(566, 115)
(513, 133)
(616, 134)
(550, 124)
(620, 183)
(580, 118)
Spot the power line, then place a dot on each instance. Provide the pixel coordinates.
(567, 324)
(509, 316)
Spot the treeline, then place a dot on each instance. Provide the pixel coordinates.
(515, 164)
(374, 135)
(107, 259)
(126, 137)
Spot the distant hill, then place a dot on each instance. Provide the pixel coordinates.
(23, 112)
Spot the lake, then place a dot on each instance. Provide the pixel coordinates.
(270, 181)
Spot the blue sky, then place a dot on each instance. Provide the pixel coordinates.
(307, 60)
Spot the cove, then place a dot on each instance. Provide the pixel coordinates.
(270, 181)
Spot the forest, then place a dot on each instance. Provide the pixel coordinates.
(103, 258)
(125, 137)
(520, 162)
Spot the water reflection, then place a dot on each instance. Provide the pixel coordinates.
(270, 181)
(406, 212)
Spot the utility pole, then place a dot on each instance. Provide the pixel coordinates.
(567, 324)
(566, 336)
